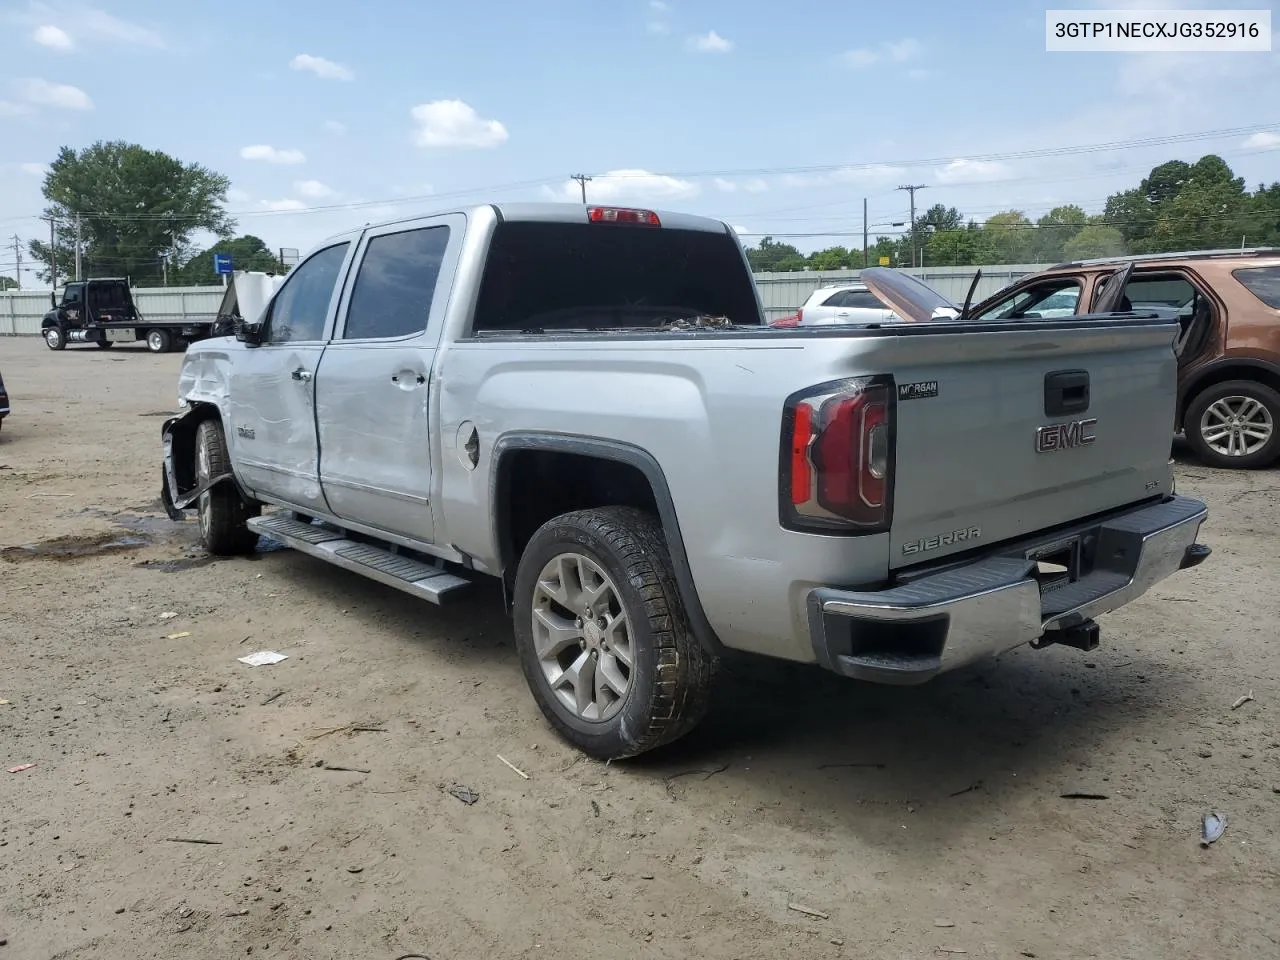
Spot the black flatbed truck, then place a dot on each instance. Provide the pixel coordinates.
(101, 311)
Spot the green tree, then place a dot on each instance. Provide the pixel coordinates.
(1094, 240)
(769, 254)
(136, 206)
(247, 253)
(832, 258)
(957, 247)
(1262, 217)
(886, 247)
(1007, 238)
(8, 283)
(791, 263)
(1053, 230)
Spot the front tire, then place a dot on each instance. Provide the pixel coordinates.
(602, 634)
(159, 341)
(1235, 425)
(223, 513)
(55, 338)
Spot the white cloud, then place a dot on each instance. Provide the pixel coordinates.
(55, 38)
(235, 195)
(889, 52)
(321, 67)
(335, 128)
(33, 169)
(971, 171)
(657, 22)
(624, 186)
(10, 109)
(289, 203)
(314, 189)
(754, 185)
(869, 173)
(904, 50)
(452, 123)
(739, 230)
(63, 96)
(1263, 140)
(711, 42)
(103, 25)
(262, 151)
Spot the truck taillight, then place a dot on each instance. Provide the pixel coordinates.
(838, 457)
(623, 215)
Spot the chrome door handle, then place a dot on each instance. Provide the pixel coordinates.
(301, 374)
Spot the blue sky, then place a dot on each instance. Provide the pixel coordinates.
(328, 114)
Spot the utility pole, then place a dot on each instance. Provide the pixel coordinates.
(582, 179)
(912, 190)
(53, 252)
(866, 254)
(17, 256)
(77, 246)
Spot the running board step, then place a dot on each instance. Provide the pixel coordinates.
(412, 576)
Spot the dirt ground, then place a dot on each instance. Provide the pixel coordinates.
(921, 822)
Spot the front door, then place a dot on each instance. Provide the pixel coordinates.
(272, 426)
(374, 385)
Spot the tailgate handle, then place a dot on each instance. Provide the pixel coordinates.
(1066, 391)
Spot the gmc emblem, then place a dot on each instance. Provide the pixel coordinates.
(1064, 436)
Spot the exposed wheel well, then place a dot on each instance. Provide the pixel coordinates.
(535, 485)
(1234, 371)
(183, 434)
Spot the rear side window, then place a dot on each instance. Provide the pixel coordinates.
(395, 284)
(1262, 282)
(590, 276)
(862, 300)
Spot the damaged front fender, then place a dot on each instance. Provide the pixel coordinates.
(178, 483)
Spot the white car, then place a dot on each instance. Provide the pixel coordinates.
(846, 303)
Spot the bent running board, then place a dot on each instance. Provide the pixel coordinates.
(404, 573)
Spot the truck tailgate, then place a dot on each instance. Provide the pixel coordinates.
(1004, 433)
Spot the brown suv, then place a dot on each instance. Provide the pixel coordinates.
(1228, 303)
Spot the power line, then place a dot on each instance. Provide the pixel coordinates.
(757, 171)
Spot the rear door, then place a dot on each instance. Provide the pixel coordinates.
(374, 385)
(1174, 289)
(272, 428)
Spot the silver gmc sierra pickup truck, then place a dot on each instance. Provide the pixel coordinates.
(586, 402)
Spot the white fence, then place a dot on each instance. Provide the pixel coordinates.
(782, 294)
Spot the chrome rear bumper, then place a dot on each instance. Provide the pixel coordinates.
(935, 622)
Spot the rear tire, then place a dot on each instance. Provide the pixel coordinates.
(55, 338)
(159, 341)
(597, 609)
(222, 511)
(1235, 425)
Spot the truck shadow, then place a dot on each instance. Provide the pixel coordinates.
(821, 751)
(815, 751)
